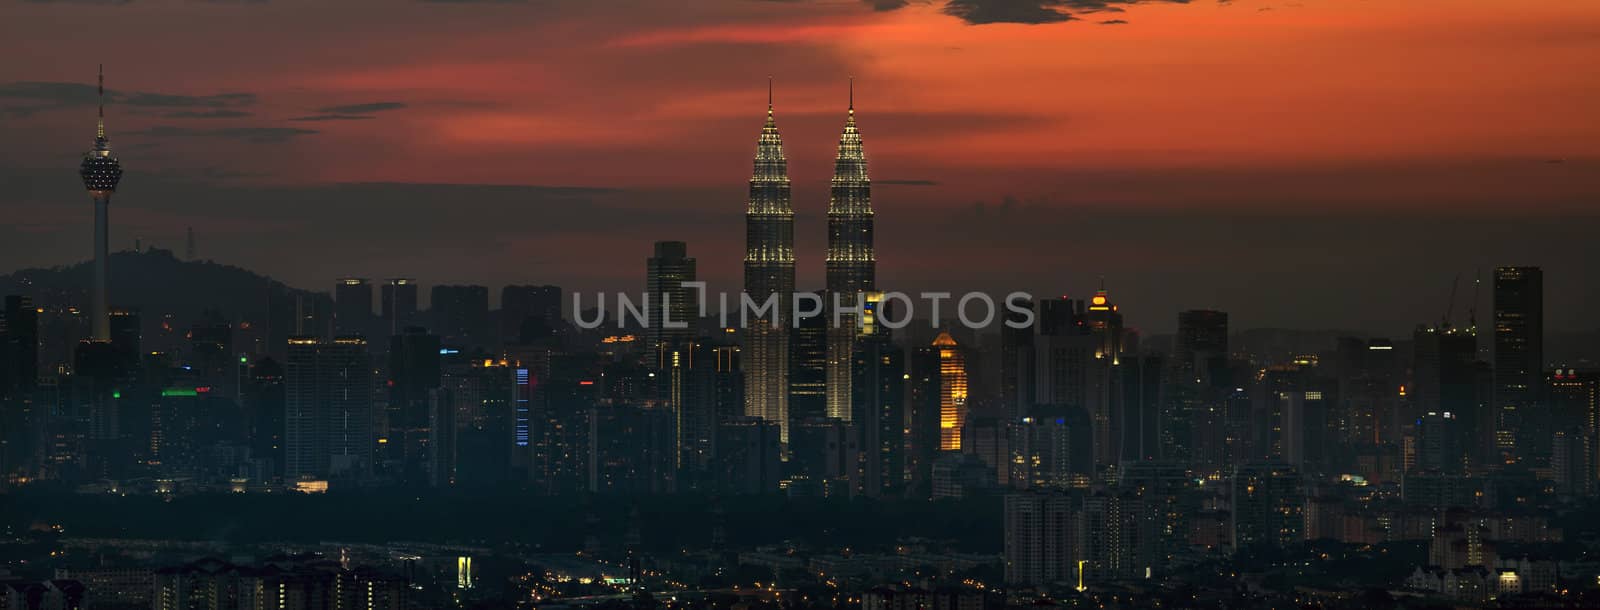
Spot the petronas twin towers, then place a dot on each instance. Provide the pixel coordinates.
(769, 270)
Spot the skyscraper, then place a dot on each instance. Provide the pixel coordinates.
(415, 371)
(952, 391)
(399, 304)
(100, 172)
(852, 266)
(808, 368)
(520, 303)
(769, 272)
(1518, 355)
(352, 302)
(461, 314)
(670, 302)
(328, 408)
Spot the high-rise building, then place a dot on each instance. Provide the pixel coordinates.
(673, 308)
(101, 172)
(519, 304)
(952, 391)
(415, 372)
(1042, 542)
(461, 315)
(808, 368)
(328, 408)
(1444, 381)
(399, 304)
(851, 262)
(748, 456)
(1016, 364)
(352, 301)
(1077, 359)
(769, 273)
(1268, 503)
(19, 346)
(1519, 359)
(879, 388)
(1202, 335)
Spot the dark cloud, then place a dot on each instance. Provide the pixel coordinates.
(979, 12)
(220, 113)
(334, 117)
(256, 135)
(1114, 22)
(362, 108)
(39, 96)
(887, 5)
(78, 1)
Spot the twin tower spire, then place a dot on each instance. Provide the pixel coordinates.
(769, 271)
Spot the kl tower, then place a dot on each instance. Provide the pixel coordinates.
(101, 172)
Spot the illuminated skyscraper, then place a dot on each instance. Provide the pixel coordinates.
(769, 272)
(952, 391)
(851, 263)
(101, 172)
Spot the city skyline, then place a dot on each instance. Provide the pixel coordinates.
(986, 179)
(1157, 304)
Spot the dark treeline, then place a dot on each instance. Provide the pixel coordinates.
(553, 524)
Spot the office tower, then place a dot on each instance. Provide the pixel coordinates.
(1519, 359)
(1016, 364)
(1368, 377)
(1574, 402)
(211, 356)
(880, 396)
(414, 373)
(327, 409)
(1051, 449)
(1268, 502)
(851, 263)
(264, 411)
(125, 335)
(673, 309)
(1202, 336)
(1444, 380)
(1199, 362)
(631, 450)
(352, 301)
(769, 273)
(923, 410)
(1439, 442)
(715, 393)
(1042, 539)
(1141, 406)
(808, 368)
(519, 304)
(748, 456)
(1077, 356)
(19, 346)
(822, 456)
(482, 396)
(399, 304)
(952, 391)
(461, 315)
(100, 172)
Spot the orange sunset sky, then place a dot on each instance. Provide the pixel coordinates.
(1283, 159)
